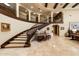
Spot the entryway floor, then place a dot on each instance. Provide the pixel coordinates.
(61, 46)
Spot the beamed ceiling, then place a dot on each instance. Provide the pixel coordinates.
(46, 8)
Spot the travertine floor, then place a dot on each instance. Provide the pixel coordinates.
(55, 46)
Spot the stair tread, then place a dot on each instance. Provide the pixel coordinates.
(17, 41)
(9, 45)
(15, 45)
(21, 38)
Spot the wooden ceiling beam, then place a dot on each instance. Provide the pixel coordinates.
(75, 5)
(56, 4)
(46, 4)
(65, 5)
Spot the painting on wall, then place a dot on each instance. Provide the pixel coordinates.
(5, 27)
(74, 25)
(62, 28)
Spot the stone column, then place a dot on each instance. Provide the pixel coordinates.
(29, 15)
(39, 17)
(17, 10)
(52, 16)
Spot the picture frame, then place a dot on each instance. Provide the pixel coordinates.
(5, 27)
(62, 28)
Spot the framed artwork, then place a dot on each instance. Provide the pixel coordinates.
(5, 27)
(74, 25)
(62, 28)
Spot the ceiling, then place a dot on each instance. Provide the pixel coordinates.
(46, 8)
(51, 6)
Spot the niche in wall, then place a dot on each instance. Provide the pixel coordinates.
(34, 17)
(58, 17)
(5, 27)
(23, 14)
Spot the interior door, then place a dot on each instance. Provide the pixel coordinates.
(56, 30)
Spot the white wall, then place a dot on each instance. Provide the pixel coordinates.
(50, 29)
(16, 27)
(68, 16)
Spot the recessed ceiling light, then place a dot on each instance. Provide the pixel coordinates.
(57, 12)
(32, 7)
(7, 4)
(40, 10)
(34, 13)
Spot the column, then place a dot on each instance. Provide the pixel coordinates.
(47, 19)
(39, 17)
(17, 10)
(29, 15)
(52, 16)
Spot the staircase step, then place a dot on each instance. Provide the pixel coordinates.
(18, 42)
(16, 46)
(23, 35)
(21, 38)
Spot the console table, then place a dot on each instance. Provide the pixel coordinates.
(75, 36)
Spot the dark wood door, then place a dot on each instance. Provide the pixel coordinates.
(56, 29)
(37, 19)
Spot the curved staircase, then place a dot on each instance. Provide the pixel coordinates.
(22, 39)
(17, 41)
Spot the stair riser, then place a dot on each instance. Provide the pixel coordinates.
(17, 42)
(20, 38)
